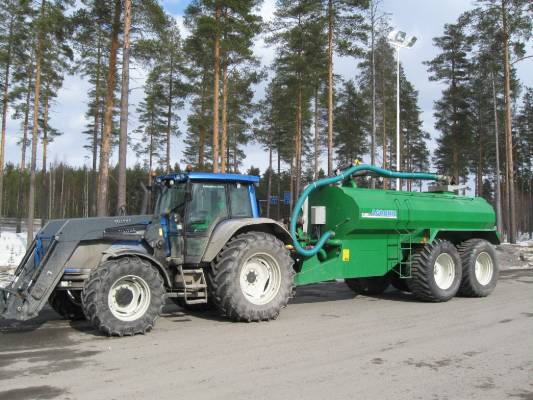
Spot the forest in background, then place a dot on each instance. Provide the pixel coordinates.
(207, 79)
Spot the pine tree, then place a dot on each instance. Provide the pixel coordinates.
(414, 149)
(346, 32)
(452, 112)
(152, 130)
(13, 37)
(296, 30)
(50, 26)
(352, 124)
(92, 35)
(103, 190)
(515, 23)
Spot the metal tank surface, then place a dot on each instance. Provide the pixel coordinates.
(373, 231)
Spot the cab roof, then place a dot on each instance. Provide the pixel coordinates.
(207, 176)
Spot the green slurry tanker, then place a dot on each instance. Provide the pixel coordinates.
(206, 246)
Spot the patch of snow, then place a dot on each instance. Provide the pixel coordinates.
(12, 249)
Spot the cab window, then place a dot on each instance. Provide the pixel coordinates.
(240, 201)
(208, 204)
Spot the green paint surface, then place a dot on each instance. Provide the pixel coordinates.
(378, 228)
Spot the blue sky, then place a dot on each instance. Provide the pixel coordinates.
(423, 18)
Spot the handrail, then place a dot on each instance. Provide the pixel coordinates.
(333, 179)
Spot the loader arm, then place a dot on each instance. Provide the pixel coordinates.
(43, 264)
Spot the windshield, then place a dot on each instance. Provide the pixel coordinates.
(171, 200)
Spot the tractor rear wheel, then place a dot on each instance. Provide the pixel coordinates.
(435, 271)
(67, 304)
(480, 268)
(123, 296)
(251, 279)
(368, 286)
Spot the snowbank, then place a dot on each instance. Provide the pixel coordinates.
(12, 249)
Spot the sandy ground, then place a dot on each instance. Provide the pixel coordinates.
(327, 344)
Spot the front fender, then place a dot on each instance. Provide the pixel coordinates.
(227, 229)
(112, 253)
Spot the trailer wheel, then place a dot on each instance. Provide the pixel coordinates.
(435, 271)
(251, 279)
(368, 286)
(67, 304)
(480, 268)
(123, 296)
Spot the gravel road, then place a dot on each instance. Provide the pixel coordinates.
(327, 344)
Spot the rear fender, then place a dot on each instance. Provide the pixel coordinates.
(227, 229)
(458, 236)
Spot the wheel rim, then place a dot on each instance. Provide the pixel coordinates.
(484, 268)
(129, 298)
(260, 278)
(444, 271)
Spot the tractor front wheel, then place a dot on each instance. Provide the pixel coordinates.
(251, 279)
(124, 296)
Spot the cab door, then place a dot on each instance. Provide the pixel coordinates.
(208, 205)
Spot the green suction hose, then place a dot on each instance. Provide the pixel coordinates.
(309, 252)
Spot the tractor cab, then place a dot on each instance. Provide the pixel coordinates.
(190, 205)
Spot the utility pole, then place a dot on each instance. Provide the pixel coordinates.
(398, 40)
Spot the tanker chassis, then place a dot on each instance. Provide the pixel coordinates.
(206, 246)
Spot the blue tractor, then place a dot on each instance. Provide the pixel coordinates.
(204, 245)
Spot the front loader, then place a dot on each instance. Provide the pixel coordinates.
(205, 245)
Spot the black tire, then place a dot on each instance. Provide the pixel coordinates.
(422, 283)
(368, 286)
(67, 304)
(399, 283)
(96, 290)
(223, 277)
(470, 251)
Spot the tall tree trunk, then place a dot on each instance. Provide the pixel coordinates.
(124, 96)
(372, 44)
(5, 102)
(45, 197)
(216, 79)
(298, 144)
(317, 142)
(330, 87)
(508, 130)
(101, 202)
(22, 166)
(269, 185)
(235, 146)
(97, 112)
(224, 137)
(169, 111)
(279, 183)
(201, 139)
(498, 189)
(35, 127)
